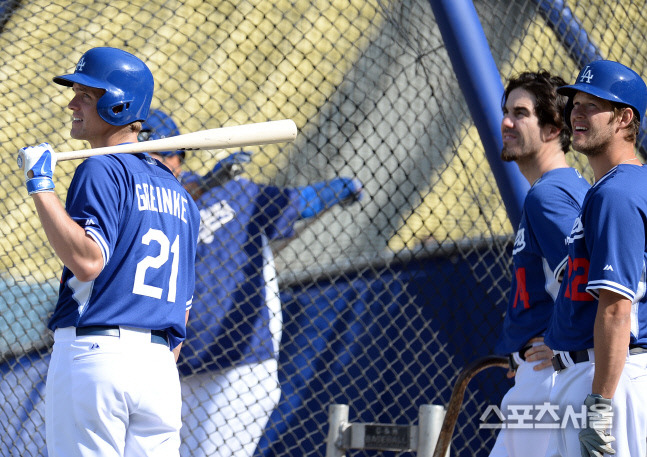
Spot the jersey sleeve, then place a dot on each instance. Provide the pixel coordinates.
(92, 202)
(614, 229)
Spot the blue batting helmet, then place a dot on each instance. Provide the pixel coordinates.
(159, 125)
(609, 81)
(126, 79)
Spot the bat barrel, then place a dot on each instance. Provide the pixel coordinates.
(219, 138)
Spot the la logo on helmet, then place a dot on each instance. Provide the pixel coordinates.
(80, 65)
(587, 75)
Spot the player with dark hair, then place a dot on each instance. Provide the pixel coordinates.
(536, 138)
(127, 239)
(599, 328)
(230, 358)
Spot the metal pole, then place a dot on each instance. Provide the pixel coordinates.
(337, 417)
(481, 85)
(430, 421)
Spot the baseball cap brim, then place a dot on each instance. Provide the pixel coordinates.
(570, 91)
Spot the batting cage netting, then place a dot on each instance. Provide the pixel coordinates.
(383, 299)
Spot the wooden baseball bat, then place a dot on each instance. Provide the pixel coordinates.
(219, 138)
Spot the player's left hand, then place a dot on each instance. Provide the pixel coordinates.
(38, 163)
(595, 440)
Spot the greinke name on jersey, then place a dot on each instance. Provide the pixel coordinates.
(161, 200)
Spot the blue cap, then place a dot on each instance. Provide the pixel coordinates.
(159, 125)
(609, 81)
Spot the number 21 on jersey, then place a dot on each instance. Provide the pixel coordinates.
(141, 287)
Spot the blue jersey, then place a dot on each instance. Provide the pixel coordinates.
(607, 249)
(146, 225)
(236, 311)
(539, 255)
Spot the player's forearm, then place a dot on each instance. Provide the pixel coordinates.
(611, 335)
(72, 245)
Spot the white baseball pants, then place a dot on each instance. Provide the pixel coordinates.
(573, 384)
(112, 396)
(531, 389)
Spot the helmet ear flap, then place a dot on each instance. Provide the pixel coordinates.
(121, 107)
(113, 110)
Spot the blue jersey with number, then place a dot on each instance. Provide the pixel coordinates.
(236, 314)
(146, 226)
(607, 249)
(539, 255)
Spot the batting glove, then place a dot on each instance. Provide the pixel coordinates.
(226, 169)
(595, 439)
(38, 163)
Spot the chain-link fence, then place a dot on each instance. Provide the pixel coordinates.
(384, 300)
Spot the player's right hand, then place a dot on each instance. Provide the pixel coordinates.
(595, 440)
(38, 163)
(354, 186)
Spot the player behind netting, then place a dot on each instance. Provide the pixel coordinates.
(229, 361)
(127, 238)
(537, 139)
(599, 327)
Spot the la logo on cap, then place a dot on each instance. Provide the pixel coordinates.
(587, 75)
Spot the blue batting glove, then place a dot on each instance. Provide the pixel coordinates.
(227, 168)
(318, 197)
(38, 163)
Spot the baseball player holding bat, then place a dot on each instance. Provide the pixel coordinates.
(599, 328)
(537, 139)
(229, 360)
(127, 238)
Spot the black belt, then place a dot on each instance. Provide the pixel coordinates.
(157, 336)
(522, 354)
(559, 363)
